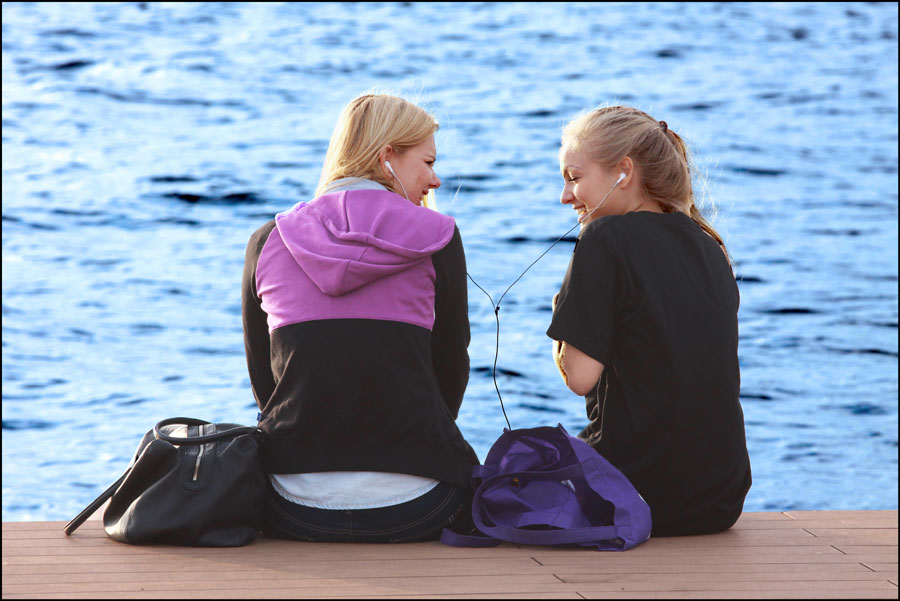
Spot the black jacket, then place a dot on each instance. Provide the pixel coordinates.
(342, 387)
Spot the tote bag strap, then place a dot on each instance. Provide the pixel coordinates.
(190, 421)
(538, 537)
(551, 537)
(455, 539)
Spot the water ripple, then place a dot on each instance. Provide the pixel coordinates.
(27, 424)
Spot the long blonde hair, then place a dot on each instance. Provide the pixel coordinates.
(609, 134)
(368, 124)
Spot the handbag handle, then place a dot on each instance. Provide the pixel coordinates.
(79, 519)
(190, 421)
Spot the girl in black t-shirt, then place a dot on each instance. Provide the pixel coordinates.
(645, 324)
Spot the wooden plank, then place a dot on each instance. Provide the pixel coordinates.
(94, 524)
(763, 516)
(737, 595)
(291, 594)
(730, 538)
(263, 548)
(553, 595)
(173, 572)
(148, 560)
(176, 570)
(707, 579)
(864, 559)
(850, 571)
(855, 523)
(854, 536)
(890, 550)
(877, 514)
(760, 555)
(544, 555)
(849, 590)
(303, 587)
(112, 552)
(46, 533)
(881, 567)
(288, 594)
(747, 537)
(758, 570)
(672, 565)
(117, 553)
(819, 594)
(672, 551)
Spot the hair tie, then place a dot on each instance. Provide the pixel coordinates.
(664, 126)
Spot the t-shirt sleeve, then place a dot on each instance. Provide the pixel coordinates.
(589, 298)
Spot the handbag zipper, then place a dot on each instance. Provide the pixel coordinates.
(197, 465)
(199, 456)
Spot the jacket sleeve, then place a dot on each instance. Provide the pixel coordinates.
(256, 329)
(450, 335)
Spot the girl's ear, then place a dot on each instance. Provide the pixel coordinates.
(384, 155)
(626, 166)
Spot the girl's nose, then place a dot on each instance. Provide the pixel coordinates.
(435, 181)
(566, 197)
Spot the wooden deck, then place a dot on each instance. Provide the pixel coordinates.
(795, 554)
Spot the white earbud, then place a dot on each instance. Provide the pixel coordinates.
(391, 169)
(621, 177)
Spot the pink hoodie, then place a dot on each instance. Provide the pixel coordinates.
(356, 254)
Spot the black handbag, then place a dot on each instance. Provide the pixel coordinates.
(191, 482)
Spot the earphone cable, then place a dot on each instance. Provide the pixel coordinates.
(532, 264)
(496, 306)
(497, 347)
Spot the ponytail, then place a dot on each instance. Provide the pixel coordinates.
(693, 211)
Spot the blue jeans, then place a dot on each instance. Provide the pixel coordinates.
(420, 519)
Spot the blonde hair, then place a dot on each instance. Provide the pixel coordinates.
(609, 134)
(368, 124)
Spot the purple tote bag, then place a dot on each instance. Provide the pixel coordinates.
(541, 486)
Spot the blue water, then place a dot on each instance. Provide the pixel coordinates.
(143, 143)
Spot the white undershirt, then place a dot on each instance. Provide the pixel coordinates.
(350, 490)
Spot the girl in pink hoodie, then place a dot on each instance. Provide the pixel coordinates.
(356, 333)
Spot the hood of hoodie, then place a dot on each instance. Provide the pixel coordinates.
(348, 238)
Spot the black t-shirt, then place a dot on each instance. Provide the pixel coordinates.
(652, 297)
